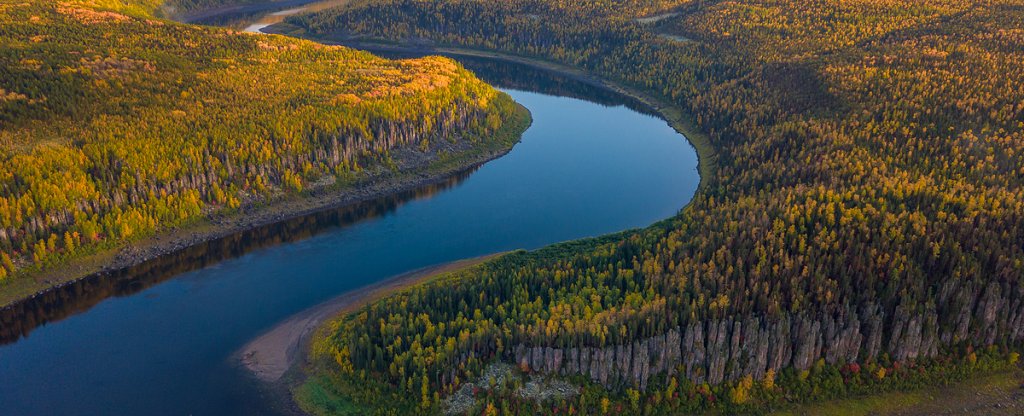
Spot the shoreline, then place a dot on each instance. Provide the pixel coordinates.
(418, 172)
(138, 252)
(675, 116)
(194, 16)
(681, 121)
(278, 350)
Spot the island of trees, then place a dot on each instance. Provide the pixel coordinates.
(116, 125)
(862, 229)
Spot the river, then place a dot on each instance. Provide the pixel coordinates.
(592, 163)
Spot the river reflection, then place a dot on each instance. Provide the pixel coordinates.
(158, 338)
(19, 319)
(528, 78)
(79, 295)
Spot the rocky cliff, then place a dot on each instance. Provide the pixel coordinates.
(727, 349)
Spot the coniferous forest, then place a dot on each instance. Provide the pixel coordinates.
(116, 125)
(859, 227)
(862, 229)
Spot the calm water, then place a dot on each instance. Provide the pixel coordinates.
(583, 169)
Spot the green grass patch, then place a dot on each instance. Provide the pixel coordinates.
(980, 389)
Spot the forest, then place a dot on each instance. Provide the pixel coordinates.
(116, 125)
(863, 229)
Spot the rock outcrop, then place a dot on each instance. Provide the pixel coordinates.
(727, 349)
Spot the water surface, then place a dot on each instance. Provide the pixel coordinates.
(582, 169)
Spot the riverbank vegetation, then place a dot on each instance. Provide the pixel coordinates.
(863, 229)
(116, 125)
(185, 6)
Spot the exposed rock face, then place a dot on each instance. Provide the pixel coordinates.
(728, 349)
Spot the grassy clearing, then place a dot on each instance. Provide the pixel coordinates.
(993, 393)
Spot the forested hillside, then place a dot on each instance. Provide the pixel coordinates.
(863, 229)
(180, 6)
(115, 125)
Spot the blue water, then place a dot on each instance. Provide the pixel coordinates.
(582, 169)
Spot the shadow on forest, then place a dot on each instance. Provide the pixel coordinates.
(19, 319)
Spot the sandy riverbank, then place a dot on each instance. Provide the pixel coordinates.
(270, 355)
